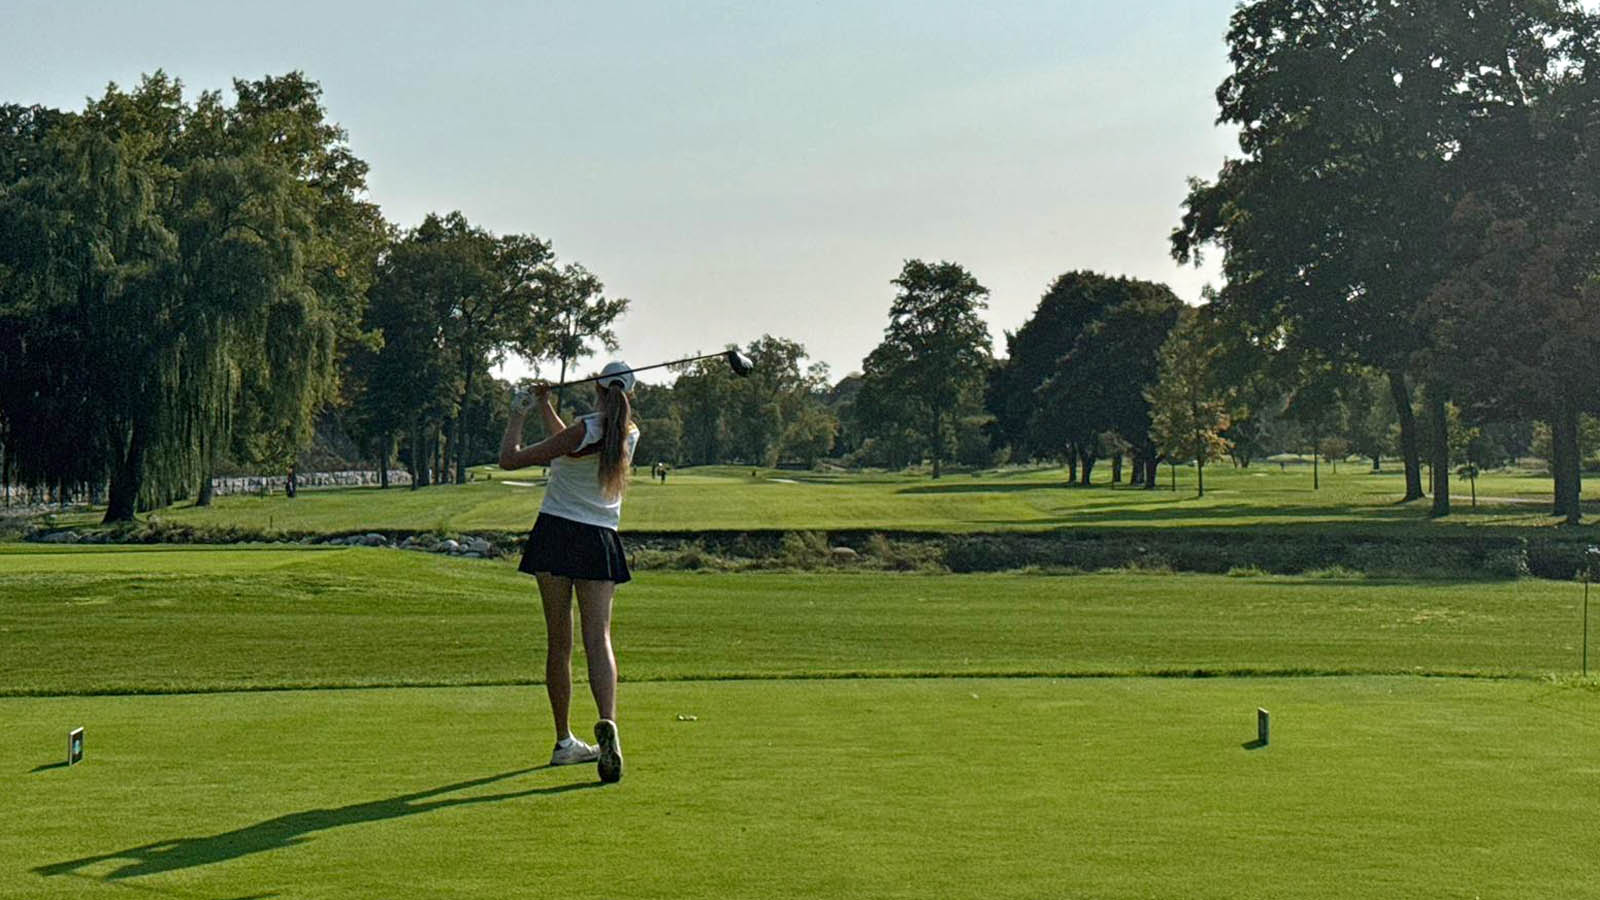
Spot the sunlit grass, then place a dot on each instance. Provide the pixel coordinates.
(731, 498)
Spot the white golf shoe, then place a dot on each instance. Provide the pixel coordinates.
(573, 753)
(605, 733)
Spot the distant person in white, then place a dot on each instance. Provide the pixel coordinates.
(574, 548)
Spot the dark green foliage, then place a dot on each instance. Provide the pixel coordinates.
(774, 415)
(187, 274)
(1099, 384)
(1390, 151)
(931, 366)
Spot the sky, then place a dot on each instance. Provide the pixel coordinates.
(734, 169)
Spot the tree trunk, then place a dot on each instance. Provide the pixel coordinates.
(1072, 465)
(1152, 468)
(1135, 469)
(383, 461)
(1116, 468)
(128, 476)
(459, 445)
(561, 392)
(1200, 477)
(419, 456)
(1439, 461)
(1558, 467)
(1568, 461)
(1316, 472)
(204, 496)
(1087, 468)
(1409, 451)
(441, 468)
(935, 445)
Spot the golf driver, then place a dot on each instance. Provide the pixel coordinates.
(738, 362)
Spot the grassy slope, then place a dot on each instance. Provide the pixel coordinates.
(163, 618)
(719, 498)
(1125, 788)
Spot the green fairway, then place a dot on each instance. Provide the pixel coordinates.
(845, 735)
(1124, 788)
(210, 618)
(731, 498)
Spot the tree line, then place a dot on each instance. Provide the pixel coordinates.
(1410, 238)
(187, 282)
(1416, 207)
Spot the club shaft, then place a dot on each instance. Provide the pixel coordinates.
(676, 362)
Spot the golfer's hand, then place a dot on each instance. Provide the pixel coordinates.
(523, 400)
(541, 390)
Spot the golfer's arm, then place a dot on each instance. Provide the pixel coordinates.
(513, 456)
(552, 422)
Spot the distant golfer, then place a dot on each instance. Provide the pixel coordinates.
(574, 548)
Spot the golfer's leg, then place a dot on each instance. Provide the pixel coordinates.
(594, 605)
(556, 592)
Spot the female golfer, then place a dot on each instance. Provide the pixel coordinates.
(574, 549)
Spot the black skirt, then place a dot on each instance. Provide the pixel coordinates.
(574, 550)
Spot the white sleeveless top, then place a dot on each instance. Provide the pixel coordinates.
(573, 491)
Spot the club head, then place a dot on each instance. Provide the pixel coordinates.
(739, 363)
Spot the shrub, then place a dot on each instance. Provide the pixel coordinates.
(803, 549)
(1335, 573)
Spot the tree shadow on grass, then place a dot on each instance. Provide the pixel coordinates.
(294, 828)
(1239, 517)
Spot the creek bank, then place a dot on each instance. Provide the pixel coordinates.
(1553, 554)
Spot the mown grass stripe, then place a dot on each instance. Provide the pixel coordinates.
(713, 677)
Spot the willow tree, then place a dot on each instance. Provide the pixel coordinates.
(168, 263)
(293, 371)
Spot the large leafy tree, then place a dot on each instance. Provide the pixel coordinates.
(295, 372)
(404, 383)
(776, 413)
(41, 414)
(1097, 386)
(177, 244)
(1517, 322)
(934, 358)
(1073, 302)
(1334, 219)
(570, 314)
(450, 300)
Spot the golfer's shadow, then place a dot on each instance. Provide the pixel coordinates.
(294, 828)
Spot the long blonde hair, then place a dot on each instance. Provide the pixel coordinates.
(616, 413)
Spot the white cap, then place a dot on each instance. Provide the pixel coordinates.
(618, 373)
